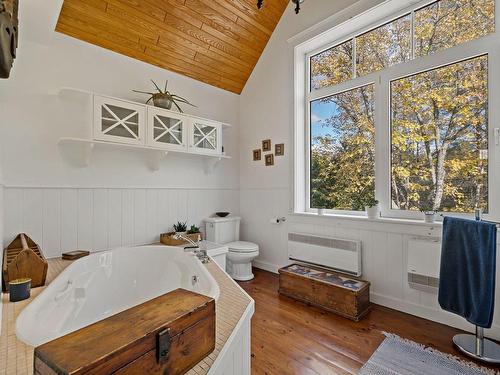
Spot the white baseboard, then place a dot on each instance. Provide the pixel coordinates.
(266, 266)
(425, 312)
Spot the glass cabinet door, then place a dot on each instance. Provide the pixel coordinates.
(205, 137)
(118, 121)
(166, 129)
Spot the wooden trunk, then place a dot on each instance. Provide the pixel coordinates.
(23, 258)
(166, 335)
(348, 297)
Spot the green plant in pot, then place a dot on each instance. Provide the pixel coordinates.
(164, 98)
(427, 208)
(372, 208)
(193, 230)
(180, 227)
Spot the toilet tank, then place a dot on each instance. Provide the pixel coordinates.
(222, 229)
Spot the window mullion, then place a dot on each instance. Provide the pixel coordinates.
(382, 141)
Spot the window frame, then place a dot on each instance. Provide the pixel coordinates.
(303, 95)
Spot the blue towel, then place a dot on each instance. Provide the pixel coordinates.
(468, 269)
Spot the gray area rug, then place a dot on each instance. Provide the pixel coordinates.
(404, 357)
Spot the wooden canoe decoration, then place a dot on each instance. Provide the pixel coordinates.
(23, 258)
(8, 35)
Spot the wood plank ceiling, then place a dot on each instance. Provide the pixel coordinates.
(214, 41)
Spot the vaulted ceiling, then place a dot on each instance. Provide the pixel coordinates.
(214, 41)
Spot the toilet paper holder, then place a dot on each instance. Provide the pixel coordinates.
(278, 220)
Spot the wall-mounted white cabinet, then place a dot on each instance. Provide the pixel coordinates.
(119, 121)
(205, 136)
(156, 130)
(166, 129)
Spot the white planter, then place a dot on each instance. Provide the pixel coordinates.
(373, 212)
(429, 217)
(321, 211)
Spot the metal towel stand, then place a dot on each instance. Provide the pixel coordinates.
(477, 346)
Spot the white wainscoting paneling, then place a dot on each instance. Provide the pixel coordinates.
(64, 219)
(384, 247)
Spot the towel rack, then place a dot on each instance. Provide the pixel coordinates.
(477, 346)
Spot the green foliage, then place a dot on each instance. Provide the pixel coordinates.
(194, 229)
(180, 226)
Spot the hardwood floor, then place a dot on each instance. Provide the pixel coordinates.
(290, 337)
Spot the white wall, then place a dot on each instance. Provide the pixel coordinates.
(41, 186)
(266, 111)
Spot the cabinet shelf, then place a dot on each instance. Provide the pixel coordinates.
(81, 151)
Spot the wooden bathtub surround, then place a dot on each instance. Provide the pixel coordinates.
(166, 335)
(23, 258)
(326, 290)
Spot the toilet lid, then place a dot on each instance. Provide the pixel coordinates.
(242, 247)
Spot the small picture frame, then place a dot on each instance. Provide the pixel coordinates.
(257, 154)
(279, 149)
(266, 145)
(269, 160)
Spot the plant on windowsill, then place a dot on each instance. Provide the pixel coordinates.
(372, 208)
(429, 212)
(180, 227)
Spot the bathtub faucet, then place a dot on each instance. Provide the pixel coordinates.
(201, 254)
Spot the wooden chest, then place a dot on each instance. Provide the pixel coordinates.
(166, 335)
(348, 297)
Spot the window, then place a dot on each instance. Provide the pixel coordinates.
(447, 23)
(398, 111)
(385, 46)
(440, 138)
(332, 66)
(343, 150)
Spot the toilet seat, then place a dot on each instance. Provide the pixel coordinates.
(242, 247)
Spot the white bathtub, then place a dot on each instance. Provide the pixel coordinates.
(103, 284)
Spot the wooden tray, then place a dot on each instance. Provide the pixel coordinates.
(77, 254)
(168, 239)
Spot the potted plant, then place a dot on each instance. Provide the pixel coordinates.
(180, 227)
(372, 208)
(164, 98)
(194, 230)
(429, 211)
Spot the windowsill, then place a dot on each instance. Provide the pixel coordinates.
(385, 220)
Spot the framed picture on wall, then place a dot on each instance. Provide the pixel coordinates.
(279, 149)
(269, 160)
(257, 155)
(266, 145)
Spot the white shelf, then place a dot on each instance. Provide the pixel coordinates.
(81, 151)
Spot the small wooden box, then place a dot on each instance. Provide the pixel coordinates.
(345, 296)
(166, 335)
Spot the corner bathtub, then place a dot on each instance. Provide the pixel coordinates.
(103, 284)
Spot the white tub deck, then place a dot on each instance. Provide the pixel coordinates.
(234, 309)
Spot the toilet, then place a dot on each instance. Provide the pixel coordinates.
(226, 231)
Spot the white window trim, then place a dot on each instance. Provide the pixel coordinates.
(358, 24)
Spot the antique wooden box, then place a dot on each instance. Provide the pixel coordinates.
(166, 335)
(346, 296)
(23, 258)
